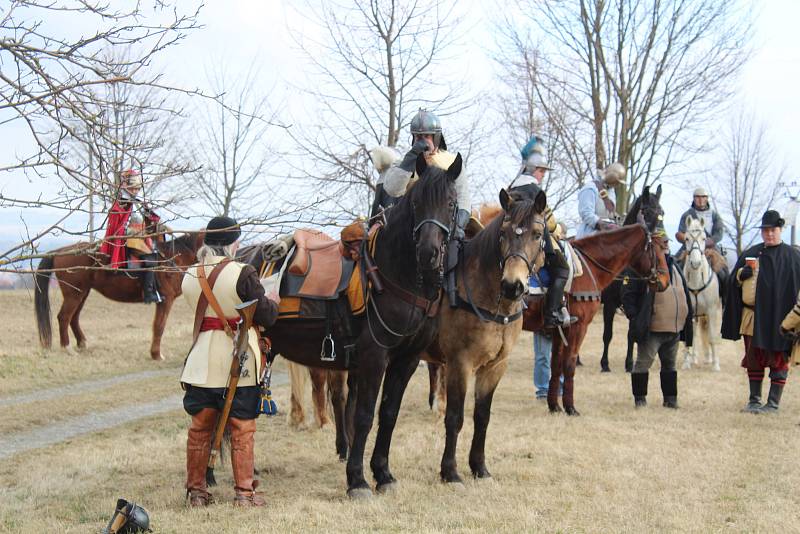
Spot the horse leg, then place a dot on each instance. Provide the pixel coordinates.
(399, 372)
(350, 406)
(371, 367)
(705, 328)
(608, 333)
(486, 380)
(72, 301)
(74, 323)
(318, 399)
(457, 374)
(569, 355)
(297, 381)
(337, 389)
(159, 322)
(555, 374)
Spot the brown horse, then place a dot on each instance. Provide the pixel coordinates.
(603, 255)
(79, 269)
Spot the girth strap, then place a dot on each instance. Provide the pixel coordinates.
(486, 315)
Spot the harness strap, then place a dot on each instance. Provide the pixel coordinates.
(207, 298)
(431, 307)
(486, 315)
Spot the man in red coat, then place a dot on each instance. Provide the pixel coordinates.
(126, 240)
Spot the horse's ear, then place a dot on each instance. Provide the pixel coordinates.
(454, 171)
(645, 194)
(540, 202)
(505, 200)
(422, 165)
(688, 221)
(658, 193)
(702, 222)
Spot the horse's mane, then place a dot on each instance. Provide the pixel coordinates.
(633, 212)
(185, 243)
(486, 244)
(610, 240)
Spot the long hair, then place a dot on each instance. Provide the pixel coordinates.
(207, 251)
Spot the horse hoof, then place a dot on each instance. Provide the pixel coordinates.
(482, 475)
(69, 351)
(555, 409)
(571, 410)
(389, 487)
(359, 494)
(605, 370)
(158, 357)
(82, 347)
(456, 485)
(715, 368)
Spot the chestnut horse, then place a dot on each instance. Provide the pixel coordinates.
(79, 269)
(603, 255)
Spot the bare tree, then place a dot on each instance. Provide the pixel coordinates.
(375, 64)
(50, 97)
(646, 76)
(747, 178)
(526, 109)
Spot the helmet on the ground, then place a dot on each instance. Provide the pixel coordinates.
(425, 122)
(128, 518)
(534, 155)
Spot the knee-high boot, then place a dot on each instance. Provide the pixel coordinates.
(639, 388)
(669, 388)
(198, 449)
(148, 277)
(453, 248)
(773, 398)
(243, 462)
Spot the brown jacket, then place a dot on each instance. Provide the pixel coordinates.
(670, 308)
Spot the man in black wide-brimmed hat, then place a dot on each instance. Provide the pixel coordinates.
(761, 291)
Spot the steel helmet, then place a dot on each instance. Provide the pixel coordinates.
(700, 192)
(128, 518)
(425, 122)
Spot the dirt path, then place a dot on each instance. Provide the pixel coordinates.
(83, 387)
(15, 443)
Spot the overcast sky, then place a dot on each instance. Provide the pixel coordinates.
(240, 33)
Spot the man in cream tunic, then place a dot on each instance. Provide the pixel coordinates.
(207, 368)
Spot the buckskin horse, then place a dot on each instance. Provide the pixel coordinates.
(79, 269)
(603, 255)
(478, 336)
(399, 319)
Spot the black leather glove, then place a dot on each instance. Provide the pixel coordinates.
(745, 273)
(462, 218)
(409, 162)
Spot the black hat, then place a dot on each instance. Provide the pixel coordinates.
(771, 219)
(222, 231)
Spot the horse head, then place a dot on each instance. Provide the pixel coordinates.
(520, 237)
(695, 242)
(648, 212)
(433, 205)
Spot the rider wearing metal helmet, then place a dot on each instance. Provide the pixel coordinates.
(128, 240)
(526, 185)
(427, 138)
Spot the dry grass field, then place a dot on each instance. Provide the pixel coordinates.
(704, 468)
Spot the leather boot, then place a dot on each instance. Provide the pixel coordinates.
(148, 277)
(198, 449)
(553, 314)
(754, 402)
(669, 388)
(639, 388)
(773, 399)
(453, 248)
(242, 462)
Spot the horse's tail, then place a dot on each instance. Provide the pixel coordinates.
(42, 301)
(433, 371)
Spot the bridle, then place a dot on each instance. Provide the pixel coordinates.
(412, 297)
(529, 263)
(706, 282)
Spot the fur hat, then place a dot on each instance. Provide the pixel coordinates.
(222, 231)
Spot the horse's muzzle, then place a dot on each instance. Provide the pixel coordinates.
(512, 290)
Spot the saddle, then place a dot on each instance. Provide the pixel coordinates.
(318, 267)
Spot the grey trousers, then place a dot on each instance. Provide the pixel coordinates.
(663, 343)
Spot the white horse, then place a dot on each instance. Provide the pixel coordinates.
(703, 287)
